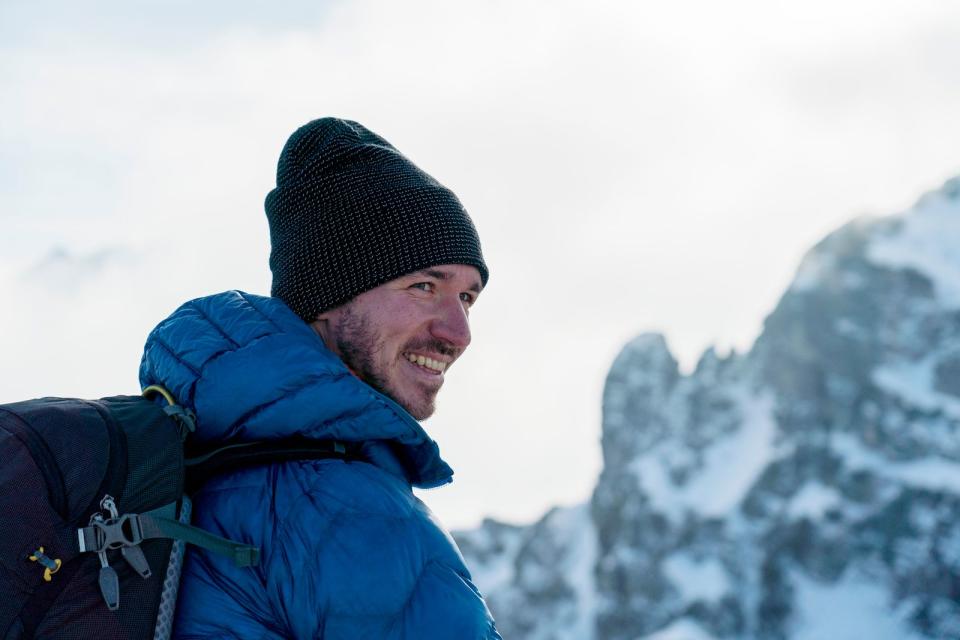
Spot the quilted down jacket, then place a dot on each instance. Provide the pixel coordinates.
(348, 552)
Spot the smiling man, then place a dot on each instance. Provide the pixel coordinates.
(375, 269)
(402, 336)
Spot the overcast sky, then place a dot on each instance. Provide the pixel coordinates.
(630, 166)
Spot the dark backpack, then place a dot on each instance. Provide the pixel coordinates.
(95, 512)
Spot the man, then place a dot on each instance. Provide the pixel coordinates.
(375, 267)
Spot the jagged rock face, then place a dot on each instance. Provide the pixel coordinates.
(664, 548)
(537, 579)
(807, 489)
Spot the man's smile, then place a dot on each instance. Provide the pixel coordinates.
(426, 362)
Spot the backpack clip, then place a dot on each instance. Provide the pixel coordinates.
(116, 532)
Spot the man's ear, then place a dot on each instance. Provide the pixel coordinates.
(322, 327)
(324, 324)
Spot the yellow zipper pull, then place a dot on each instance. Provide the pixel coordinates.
(51, 565)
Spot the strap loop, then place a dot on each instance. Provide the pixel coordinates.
(156, 388)
(186, 420)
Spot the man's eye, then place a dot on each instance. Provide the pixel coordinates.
(424, 286)
(466, 297)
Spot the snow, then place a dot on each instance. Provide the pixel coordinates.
(497, 572)
(814, 269)
(812, 501)
(936, 474)
(819, 266)
(697, 579)
(570, 530)
(730, 467)
(914, 383)
(846, 327)
(927, 242)
(851, 608)
(581, 559)
(680, 630)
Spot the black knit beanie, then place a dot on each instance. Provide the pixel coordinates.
(350, 212)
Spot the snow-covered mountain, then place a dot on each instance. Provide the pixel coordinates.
(808, 489)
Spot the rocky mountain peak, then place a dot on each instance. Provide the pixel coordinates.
(809, 488)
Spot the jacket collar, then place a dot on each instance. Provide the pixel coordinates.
(252, 370)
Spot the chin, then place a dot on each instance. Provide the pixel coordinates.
(418, 401)
(420, 409)
(420, 412)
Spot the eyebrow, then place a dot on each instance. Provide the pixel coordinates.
(443, 275)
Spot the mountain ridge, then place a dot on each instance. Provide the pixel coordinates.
(737, 501)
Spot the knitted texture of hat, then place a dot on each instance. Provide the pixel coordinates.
(350, 212)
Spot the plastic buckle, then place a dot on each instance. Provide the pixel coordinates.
(115, 533)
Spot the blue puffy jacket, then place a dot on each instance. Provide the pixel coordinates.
(348, 552)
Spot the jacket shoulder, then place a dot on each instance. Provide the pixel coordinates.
(348, 552)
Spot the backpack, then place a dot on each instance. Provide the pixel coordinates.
(95, 511)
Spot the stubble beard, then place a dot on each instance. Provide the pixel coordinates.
(359, 347)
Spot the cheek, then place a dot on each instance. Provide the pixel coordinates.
(400, 323)
(397, 323)
(394, 337)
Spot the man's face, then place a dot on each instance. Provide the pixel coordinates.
(402, 336)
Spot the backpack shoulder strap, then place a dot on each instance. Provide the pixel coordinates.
(235, 456)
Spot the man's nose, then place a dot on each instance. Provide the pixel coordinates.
(452, 325)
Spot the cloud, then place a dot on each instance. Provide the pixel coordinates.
(64, 272)
(630, 166)
(159, 26)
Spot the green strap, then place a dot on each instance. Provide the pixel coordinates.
(161, 523)
(243, 555)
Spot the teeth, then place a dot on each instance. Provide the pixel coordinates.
(424, 361)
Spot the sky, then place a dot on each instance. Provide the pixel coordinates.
(630, 167)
